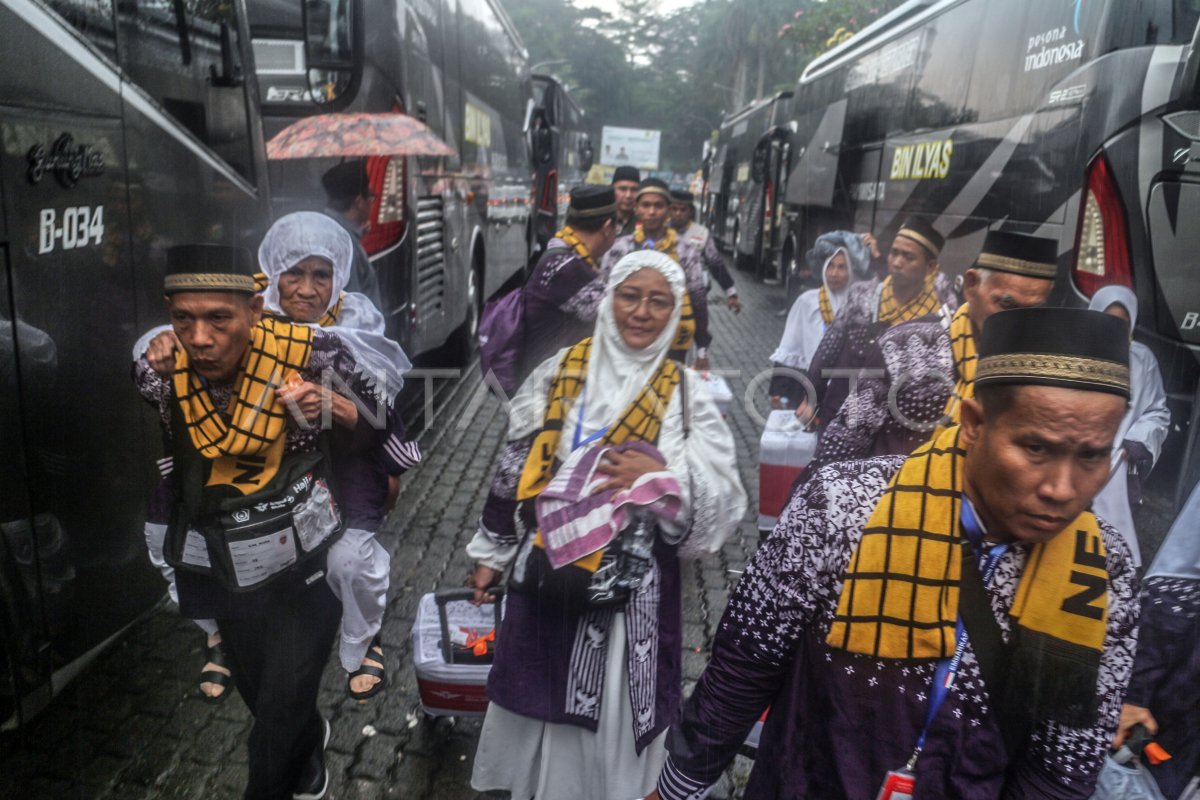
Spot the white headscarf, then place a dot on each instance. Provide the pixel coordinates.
(616, 372)
(298, 236)
(1116, 295)
(294, 237)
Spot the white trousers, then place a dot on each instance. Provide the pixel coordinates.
(357, 571)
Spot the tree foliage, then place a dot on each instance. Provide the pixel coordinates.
(681, 71)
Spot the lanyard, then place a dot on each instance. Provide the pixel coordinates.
(576, 441)
(947, 668)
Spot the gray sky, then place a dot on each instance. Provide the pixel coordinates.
(611, 5)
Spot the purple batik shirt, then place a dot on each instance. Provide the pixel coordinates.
(840, 721)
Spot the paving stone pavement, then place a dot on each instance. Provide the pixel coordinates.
(132, 725)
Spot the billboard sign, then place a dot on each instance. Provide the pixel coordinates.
(632, 146)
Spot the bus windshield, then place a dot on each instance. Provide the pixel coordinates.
(329, 34)
(1138, 23)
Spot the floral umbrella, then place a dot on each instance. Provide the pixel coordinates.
(333, 135)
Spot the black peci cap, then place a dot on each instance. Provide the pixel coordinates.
(654, 186)
(592, 201)
(209, 268)
(1070, 347)
(682, 196)
(346, 181)
(923, 234)
(627, 174)
(1020, 254)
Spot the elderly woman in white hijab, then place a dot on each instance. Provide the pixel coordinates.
(1143, 429)
(618, 465)
(843, 258)
(306, 259)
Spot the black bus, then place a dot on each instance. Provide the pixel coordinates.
(560, 150)
(126, 128)
(740, 192)
(1073, 119)
(445, 232)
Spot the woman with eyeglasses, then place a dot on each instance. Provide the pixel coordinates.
(618, 465)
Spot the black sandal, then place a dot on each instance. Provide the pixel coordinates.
(216, 655)
(367, 669)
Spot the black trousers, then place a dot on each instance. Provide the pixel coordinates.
(277, 660)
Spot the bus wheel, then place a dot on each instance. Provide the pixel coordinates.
(466, 337)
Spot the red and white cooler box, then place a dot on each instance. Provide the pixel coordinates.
(718, 389)
(784, 451)
(450, 689)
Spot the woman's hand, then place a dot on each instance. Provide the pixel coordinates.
(306, 400)
(160, 353)
(1132, 715)
(625, 468)
(871, 243)
(481, 579)
(807, 416)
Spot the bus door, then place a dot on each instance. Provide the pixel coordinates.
(24, 651)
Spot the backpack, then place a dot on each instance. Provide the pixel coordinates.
(502, 335)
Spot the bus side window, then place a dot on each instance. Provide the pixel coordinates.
(187, 56)
(93, 19)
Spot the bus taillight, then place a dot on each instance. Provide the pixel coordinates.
(549, 199)
(1102, 240)
(386, 176)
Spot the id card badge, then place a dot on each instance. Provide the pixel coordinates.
(898, 785)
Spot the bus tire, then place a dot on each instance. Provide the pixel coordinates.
(465, 339)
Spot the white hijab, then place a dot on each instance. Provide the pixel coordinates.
(1116, 295)
(616, 372)
(295, 237)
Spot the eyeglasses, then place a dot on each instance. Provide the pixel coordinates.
(631, 299)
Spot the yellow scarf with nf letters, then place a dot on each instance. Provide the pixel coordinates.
(962, 346)
(247, 450)
(641, 421)
(924, 303)
(900, 596)
(567, 234)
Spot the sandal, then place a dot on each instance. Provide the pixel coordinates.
(216, 655)
(370, 670)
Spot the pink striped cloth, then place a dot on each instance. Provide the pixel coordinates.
(576, 520)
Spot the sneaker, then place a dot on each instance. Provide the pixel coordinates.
(314, 780)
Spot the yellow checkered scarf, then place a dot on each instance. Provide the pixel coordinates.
(568, 235)
(826, 306)
(253, 438)
(962, 345)
(924, 303)
(665, 244)
(641, 421)
(327, 320)
(900, 596)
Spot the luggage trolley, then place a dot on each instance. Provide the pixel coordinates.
(451, 665)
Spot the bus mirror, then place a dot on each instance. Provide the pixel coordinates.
(328, 28)
(587, 156)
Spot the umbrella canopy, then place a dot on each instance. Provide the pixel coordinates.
(334, 135)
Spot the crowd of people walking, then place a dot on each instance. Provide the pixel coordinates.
(947, 608)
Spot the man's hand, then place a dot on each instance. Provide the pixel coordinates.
(623, 469)
(735, 304)
(481, 579)
(701, 364)
(871, 243)
(1132, 715)
(161, 352)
